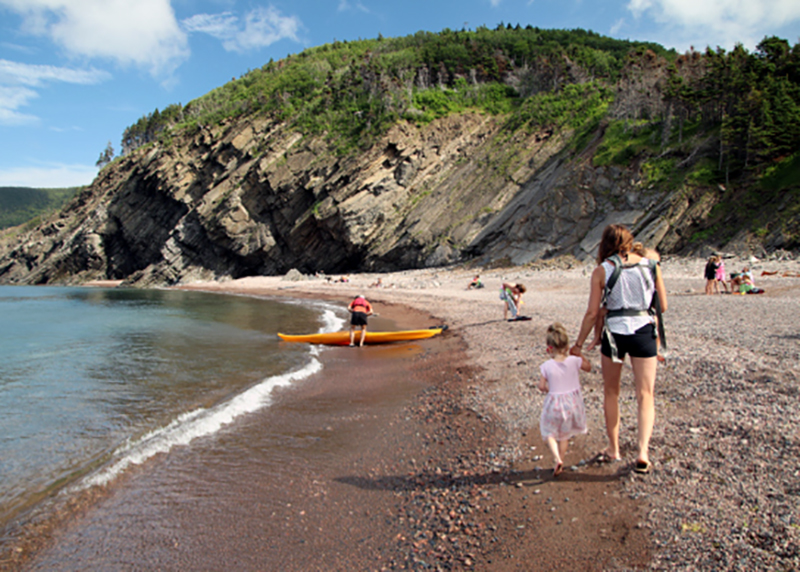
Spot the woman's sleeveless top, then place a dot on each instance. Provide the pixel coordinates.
(634, 290)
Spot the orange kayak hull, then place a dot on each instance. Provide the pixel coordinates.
(343, 338)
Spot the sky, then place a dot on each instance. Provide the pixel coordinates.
(75, 73)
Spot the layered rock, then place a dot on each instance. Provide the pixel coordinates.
(255, 198)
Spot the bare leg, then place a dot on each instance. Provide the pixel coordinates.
(352, 334)
(644, 380)
(363, 334)
(612, 373)
(553, 445)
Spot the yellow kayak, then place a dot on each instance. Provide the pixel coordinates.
(343, 338)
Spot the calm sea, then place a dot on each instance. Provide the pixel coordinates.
(94, 380)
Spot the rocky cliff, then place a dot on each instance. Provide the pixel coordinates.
(253, 194)
(255, 198)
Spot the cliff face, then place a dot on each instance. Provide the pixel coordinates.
(252, 198)
(660, 143)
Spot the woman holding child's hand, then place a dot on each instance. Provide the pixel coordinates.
(631, 331)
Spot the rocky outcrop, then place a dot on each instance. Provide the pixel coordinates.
(255, 198)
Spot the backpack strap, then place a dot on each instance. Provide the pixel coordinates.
(655, 310)
(612, 280)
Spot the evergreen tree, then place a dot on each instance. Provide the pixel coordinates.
(106, 156)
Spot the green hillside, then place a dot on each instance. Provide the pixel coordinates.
(354, 91)
(19, 205)
(689, 121)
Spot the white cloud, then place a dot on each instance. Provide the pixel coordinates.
(36, 75)
(345, 5)
(16, 81)
(144, 33)
(718, 22)
(48, 176)
(11, 99)
(260, 28)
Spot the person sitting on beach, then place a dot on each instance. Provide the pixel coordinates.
(359, 310)
(563, 412)
(746, 284)
(476, 283)
(377, 284)
(511, 293)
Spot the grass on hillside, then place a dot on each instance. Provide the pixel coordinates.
(19, 205)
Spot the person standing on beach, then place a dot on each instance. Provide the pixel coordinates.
(629, 329)
(650, 254)
(720, 276)
(511, 293)
(710, 274)
(563, 412)
(359, 310)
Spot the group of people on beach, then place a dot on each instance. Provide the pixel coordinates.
(626, 284)
(741, 282)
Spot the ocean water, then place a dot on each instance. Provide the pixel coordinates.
(93, 381)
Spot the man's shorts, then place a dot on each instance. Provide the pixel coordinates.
(358, 319)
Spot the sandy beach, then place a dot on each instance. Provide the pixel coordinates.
(724, 492)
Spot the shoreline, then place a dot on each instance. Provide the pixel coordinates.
(361, 384)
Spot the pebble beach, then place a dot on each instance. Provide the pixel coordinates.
(725, 490)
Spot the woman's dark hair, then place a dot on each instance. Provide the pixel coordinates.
(617, 239)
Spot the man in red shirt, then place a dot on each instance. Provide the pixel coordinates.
(359, 310)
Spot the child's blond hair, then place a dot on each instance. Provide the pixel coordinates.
(557, 337)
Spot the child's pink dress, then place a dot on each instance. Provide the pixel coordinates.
(721, 271)
(563, 413)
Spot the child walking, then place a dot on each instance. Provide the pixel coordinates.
(563, 413)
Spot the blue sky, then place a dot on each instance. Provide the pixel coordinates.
(75, 73)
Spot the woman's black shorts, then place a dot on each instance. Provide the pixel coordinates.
(358, 319)
(641, 344)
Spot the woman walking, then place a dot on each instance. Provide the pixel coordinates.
(625, 284)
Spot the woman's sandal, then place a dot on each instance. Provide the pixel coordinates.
(642, 467)
(603, 457)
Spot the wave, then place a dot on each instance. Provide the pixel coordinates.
(198, 423)
(203, 421)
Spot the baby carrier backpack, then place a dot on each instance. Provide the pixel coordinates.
(653, 310)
